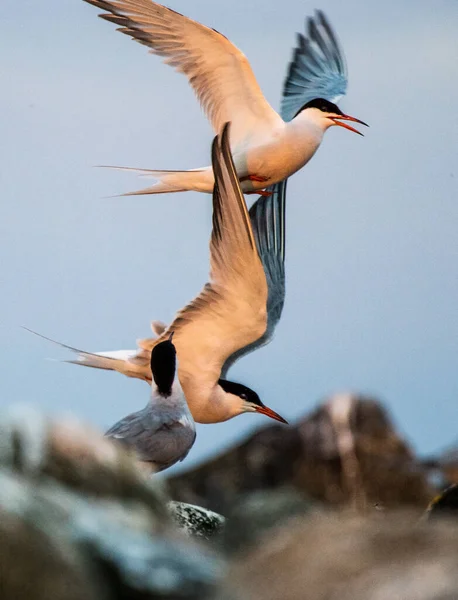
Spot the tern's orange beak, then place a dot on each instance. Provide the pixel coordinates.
(264, 410)
(338, 118)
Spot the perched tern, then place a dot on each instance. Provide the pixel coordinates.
(229, 317)
(164, 431)
(266, 147)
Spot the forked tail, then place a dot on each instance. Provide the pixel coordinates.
(198, 180)
(131, 363)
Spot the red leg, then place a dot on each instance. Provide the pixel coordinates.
(256, 178)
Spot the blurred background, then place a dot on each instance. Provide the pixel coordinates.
(372, 244)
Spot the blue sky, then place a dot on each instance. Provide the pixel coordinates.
(372, 244)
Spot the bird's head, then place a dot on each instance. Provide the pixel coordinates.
(163, 366)
(327, 114)
(243, 400)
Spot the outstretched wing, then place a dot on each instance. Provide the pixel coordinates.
(230, 313)
(268, 222)
(218, 71)
(317, 70)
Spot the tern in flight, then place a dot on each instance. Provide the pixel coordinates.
(267, 148)
(164, 431)
(235, 312)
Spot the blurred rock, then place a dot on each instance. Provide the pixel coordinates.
(443, 467)
(88, 502)
(331, 557)
(255, 515)
(196, 521)
(76, 456)
(35, 565)
(346, 453)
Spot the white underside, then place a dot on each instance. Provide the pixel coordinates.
(270, 154)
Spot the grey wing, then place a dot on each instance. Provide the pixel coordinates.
(131, 429)
(268, 222)
(153, 440)
(317, 70)
(168, 446)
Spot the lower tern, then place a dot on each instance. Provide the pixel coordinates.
(164, 431)
(227, 319)
(267, 148)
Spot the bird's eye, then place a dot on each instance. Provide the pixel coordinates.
(243, 396)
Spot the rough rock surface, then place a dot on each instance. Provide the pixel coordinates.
(79, 520)
(255, 515)
(347, 452)
(196, 521)
(342, 557)
(106, 529)
(35, 564)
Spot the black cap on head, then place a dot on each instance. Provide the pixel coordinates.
(240, 390)
(323, 105)
(163, 366)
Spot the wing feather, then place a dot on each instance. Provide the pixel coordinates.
(230, 312)
(268, 223)
(317, 69)
(218, 71)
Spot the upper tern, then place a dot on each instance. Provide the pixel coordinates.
(226, 319)
(164, 431)
(266, 147)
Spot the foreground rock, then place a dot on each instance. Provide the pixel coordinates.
(196, 521)
(78, 519)
(258, 514)
(346, 453)
(339, 557)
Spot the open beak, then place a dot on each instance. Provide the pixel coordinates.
(337, 120)
(264, 410)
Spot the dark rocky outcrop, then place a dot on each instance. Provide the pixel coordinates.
(257, 514)
(347, 452)
(348, 557)
(80, 520)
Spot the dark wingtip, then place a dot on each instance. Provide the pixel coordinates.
(225, 135)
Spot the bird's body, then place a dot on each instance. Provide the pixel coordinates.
(266, 147)
(270, 158)
(163, 432)
(282, 152)
(156, 438)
